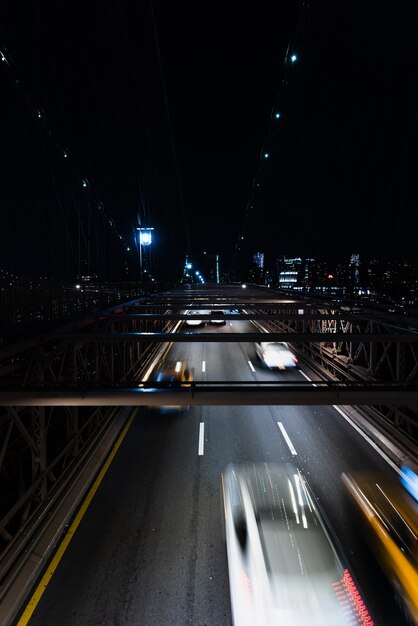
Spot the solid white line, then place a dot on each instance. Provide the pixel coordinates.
(161, 350)
(287, 438)
(367, 438)
(251, 366)
(203, 366)
(176, 326)
(201, 438)
(362, 433)
(307, 378)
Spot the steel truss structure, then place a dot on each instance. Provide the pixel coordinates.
(362, 346)
(43, 443)
(41, 448)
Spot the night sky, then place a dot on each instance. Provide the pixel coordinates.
(166, 109)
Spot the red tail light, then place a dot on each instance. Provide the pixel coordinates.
(352, 602)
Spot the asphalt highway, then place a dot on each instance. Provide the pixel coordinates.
(150, 548)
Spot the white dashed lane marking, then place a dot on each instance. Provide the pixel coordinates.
(287, 438)
(201, 438)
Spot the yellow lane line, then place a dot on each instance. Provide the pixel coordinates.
(164, 356)
(46, 578)
(170, 345)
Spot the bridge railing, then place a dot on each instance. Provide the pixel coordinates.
(27, 306)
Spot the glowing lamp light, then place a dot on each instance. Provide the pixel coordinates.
(145, 237)
(330, 276)
(277, 116)
(294, 58)
(266, 155)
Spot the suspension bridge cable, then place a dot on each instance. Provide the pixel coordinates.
(170, 127)
(290, 59)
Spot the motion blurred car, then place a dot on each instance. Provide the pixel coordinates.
(283, 566)
(387, 513)
(173, 374)
(217, 318)
(194, 319)
(275, 354)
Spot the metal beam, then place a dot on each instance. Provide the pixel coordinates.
(229, 317)
(221, 394)
(406, 337)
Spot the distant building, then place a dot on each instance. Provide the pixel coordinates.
(256, 269)
(343, 275)
(374, 272)
(394, 281)
(309, 273)
(258, 259)
(399, 279)
(355, 268)
(289, 272)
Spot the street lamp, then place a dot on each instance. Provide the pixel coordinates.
(145, 240)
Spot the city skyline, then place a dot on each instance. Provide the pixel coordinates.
(307, 147)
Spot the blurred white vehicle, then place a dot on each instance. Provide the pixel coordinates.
(218, 317)
(194, 318)
(275, 354)
(284, 569)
